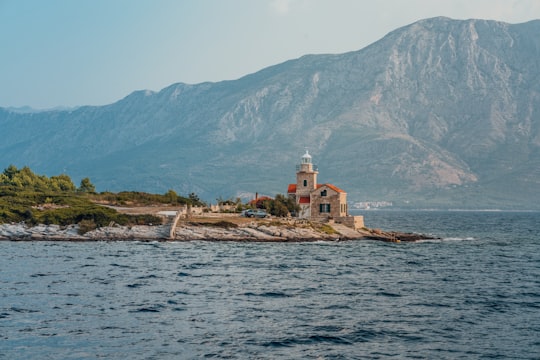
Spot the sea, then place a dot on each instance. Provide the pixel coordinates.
(471, 293)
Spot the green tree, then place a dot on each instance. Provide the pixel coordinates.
(62, 183)
(87, 186)
(10, 171)
(194, 199)
(171, 196)
(279, 209)
(281, 205)
(27, 177)
(4, 180)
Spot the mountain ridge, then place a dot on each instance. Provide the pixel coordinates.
(438, 113)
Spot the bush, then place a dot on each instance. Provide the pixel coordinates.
(145, 219)
(327, 229)
(142, 198)
(224, 224)
(219, 224)
(281, 206)
(86, 226)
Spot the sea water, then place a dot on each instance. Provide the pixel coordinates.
(474, 293)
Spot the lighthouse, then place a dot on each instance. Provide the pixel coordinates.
(306, 176)
(320, 202)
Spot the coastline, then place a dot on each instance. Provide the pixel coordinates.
(255, 231)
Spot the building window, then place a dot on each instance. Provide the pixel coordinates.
(324, 208)
(305, 182)
(323, 193)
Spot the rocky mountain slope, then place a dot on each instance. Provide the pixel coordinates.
(439, 113)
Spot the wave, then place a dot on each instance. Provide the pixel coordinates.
(469, 238)
(450, 238)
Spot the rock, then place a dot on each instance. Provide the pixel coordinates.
(250, 232)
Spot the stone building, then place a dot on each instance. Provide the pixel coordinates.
(320, 202)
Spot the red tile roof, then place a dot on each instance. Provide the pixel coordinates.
(304, 200)
(333, 187)
(292, 188)
(260, 199)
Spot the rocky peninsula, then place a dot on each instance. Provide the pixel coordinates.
(28, 201)
(209, 227)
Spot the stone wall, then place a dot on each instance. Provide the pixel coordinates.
(354, 222)
(337, 202)
(311, 183)
(222, 208)
(184, 210)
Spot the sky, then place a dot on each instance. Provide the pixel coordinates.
(95, 52)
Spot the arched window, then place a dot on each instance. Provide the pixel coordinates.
(305, 182)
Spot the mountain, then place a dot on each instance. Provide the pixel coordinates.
(441, 113)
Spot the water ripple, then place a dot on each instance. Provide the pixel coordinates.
(147, 300)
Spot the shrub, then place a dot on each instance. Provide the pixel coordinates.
(144, 219)
(325, 228)
(86, 226)
(225, 224)
(220, 224)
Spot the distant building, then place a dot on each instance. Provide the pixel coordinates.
(258, 202)
(320, 202)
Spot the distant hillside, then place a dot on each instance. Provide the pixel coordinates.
(440, 113)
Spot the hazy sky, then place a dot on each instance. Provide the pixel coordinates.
(95, 52)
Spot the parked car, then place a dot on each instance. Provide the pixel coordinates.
(247, 213)
(258, 213)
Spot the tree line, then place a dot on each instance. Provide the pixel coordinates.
(38, 199)
(13, 179)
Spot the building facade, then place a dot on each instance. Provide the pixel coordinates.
(320, 202)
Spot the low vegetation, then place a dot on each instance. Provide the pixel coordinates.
(218, 224)
(38, 199)
(137, 198)
(324, 228)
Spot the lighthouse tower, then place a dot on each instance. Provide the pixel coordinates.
(306, 182)
(306, 176)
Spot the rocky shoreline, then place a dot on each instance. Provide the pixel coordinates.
(255, 232)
